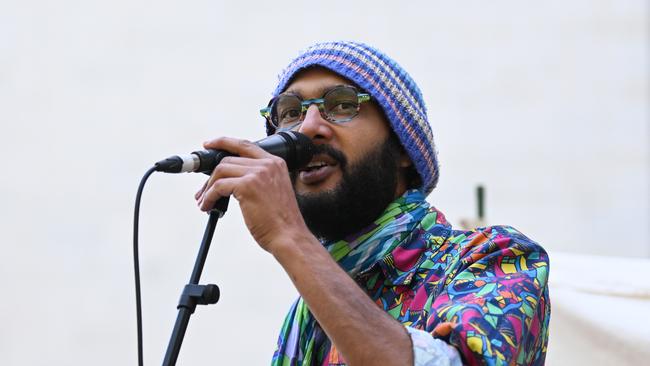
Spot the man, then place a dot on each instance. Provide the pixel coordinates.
(383, 278)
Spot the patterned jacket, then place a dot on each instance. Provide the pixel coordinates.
(483, 291)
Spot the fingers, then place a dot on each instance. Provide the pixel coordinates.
(239, 147)
(232, 166)
(222, 188)
(198, 194)
(232, 172)
(226, 168)
(250, 171)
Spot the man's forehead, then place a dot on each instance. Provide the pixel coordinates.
(315, 81)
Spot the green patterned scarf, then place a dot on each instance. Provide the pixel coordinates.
(302, 341)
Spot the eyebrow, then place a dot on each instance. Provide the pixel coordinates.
(322, 90)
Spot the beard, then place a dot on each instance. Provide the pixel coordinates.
(365, 190)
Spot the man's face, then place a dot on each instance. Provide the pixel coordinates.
(356, 171)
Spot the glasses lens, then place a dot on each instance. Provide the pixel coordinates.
(341, 104)
(286, 110)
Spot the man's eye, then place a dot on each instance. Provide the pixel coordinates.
(290, 114)
(344, 107)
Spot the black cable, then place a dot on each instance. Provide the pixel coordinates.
(136, 262)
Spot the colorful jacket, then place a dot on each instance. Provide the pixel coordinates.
(483, 291)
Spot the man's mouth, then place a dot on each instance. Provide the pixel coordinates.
(314, 165)
(319, 169)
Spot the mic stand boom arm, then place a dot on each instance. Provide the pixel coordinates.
(193, 293)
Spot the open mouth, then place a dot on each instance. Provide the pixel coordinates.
(320, 167)
(314, 165)
(319, 162)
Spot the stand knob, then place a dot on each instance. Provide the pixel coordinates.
(198, 295)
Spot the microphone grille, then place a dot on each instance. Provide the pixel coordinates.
(301, 149)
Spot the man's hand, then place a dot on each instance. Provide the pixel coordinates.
(260, 182)
(363, 332)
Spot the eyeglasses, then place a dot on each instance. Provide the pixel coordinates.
(339, 105)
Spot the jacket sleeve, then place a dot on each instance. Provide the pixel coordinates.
(493, 305)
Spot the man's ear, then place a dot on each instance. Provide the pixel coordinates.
(404, 160)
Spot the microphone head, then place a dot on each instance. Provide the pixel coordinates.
(300, 149)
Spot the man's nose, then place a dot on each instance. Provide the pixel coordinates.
(314, 125)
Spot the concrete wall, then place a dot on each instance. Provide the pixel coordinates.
(546, 104)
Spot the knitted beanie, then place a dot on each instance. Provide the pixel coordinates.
(391, 88)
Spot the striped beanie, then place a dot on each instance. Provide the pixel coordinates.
(391, 88)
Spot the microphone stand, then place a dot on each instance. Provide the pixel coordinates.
(193, 293)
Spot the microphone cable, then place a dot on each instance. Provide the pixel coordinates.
(136, 262)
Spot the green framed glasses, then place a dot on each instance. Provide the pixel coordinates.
(338, 105)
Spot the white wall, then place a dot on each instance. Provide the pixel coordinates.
(544, 103)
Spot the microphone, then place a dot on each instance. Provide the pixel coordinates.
(294, 147)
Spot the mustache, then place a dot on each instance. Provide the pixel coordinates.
(333, 153)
